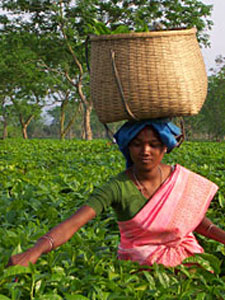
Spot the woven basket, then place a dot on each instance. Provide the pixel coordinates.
(147, 75)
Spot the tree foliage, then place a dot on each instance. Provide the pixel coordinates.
(22, 83)
(143, 15)
(44, 41)
(214, 108)
(210, 122)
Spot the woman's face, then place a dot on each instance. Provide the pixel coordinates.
(146, 149)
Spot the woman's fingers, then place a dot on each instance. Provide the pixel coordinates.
(19, 259)
(24, 258)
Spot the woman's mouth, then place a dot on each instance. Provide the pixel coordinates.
(146, 159)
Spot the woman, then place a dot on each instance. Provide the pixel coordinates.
(157, 206)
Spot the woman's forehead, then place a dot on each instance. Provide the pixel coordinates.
(147, 133)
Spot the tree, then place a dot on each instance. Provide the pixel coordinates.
(210, 122)
(22, 83)
(71, 113)
(6, 114)
(142, 15)
(62, 27)
(214, 108)
(68, 111)
(56, 50)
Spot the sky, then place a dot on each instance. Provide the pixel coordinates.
(217, 34)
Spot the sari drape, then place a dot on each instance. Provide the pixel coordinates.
(161, 231)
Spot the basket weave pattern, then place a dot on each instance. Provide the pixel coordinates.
(162, 75)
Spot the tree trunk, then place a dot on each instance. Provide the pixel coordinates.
(25, 124)
(62, 121)
(78, 84)
(64, 131)
(5, 129)
(24, 131)
(62, 135)
(87, 122)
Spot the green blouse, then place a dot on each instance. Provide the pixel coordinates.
(121, 194)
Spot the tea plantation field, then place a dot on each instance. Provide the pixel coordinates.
(42, 182)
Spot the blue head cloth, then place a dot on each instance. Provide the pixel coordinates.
(166, 130)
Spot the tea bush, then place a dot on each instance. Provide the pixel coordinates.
(42, 182)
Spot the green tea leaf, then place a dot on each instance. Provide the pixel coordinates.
(215, 263)
(75, 297)
(221, 199)
(15, 270)
(201, 296)
(2, 297)
(51, 297)
(121, 29)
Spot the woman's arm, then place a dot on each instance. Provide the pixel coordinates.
(210, 230)
(54, 238)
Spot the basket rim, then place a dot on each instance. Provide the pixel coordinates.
(133, 35)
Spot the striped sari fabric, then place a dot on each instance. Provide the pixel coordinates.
(161, 232)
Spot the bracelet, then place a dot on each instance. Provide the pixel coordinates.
(210, 227)
(50, 241)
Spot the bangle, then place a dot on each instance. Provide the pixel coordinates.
(210, 227)
(50, 241)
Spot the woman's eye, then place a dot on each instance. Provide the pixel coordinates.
(156, 145)
(135, 144)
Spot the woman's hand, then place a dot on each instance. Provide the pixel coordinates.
(23, 259)
(210, 230)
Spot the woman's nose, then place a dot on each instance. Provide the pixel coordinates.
(146, 148)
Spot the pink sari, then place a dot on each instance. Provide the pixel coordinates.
(161, 231)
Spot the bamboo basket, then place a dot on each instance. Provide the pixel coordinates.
(147, 75)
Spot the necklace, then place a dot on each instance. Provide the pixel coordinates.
(141, 186)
